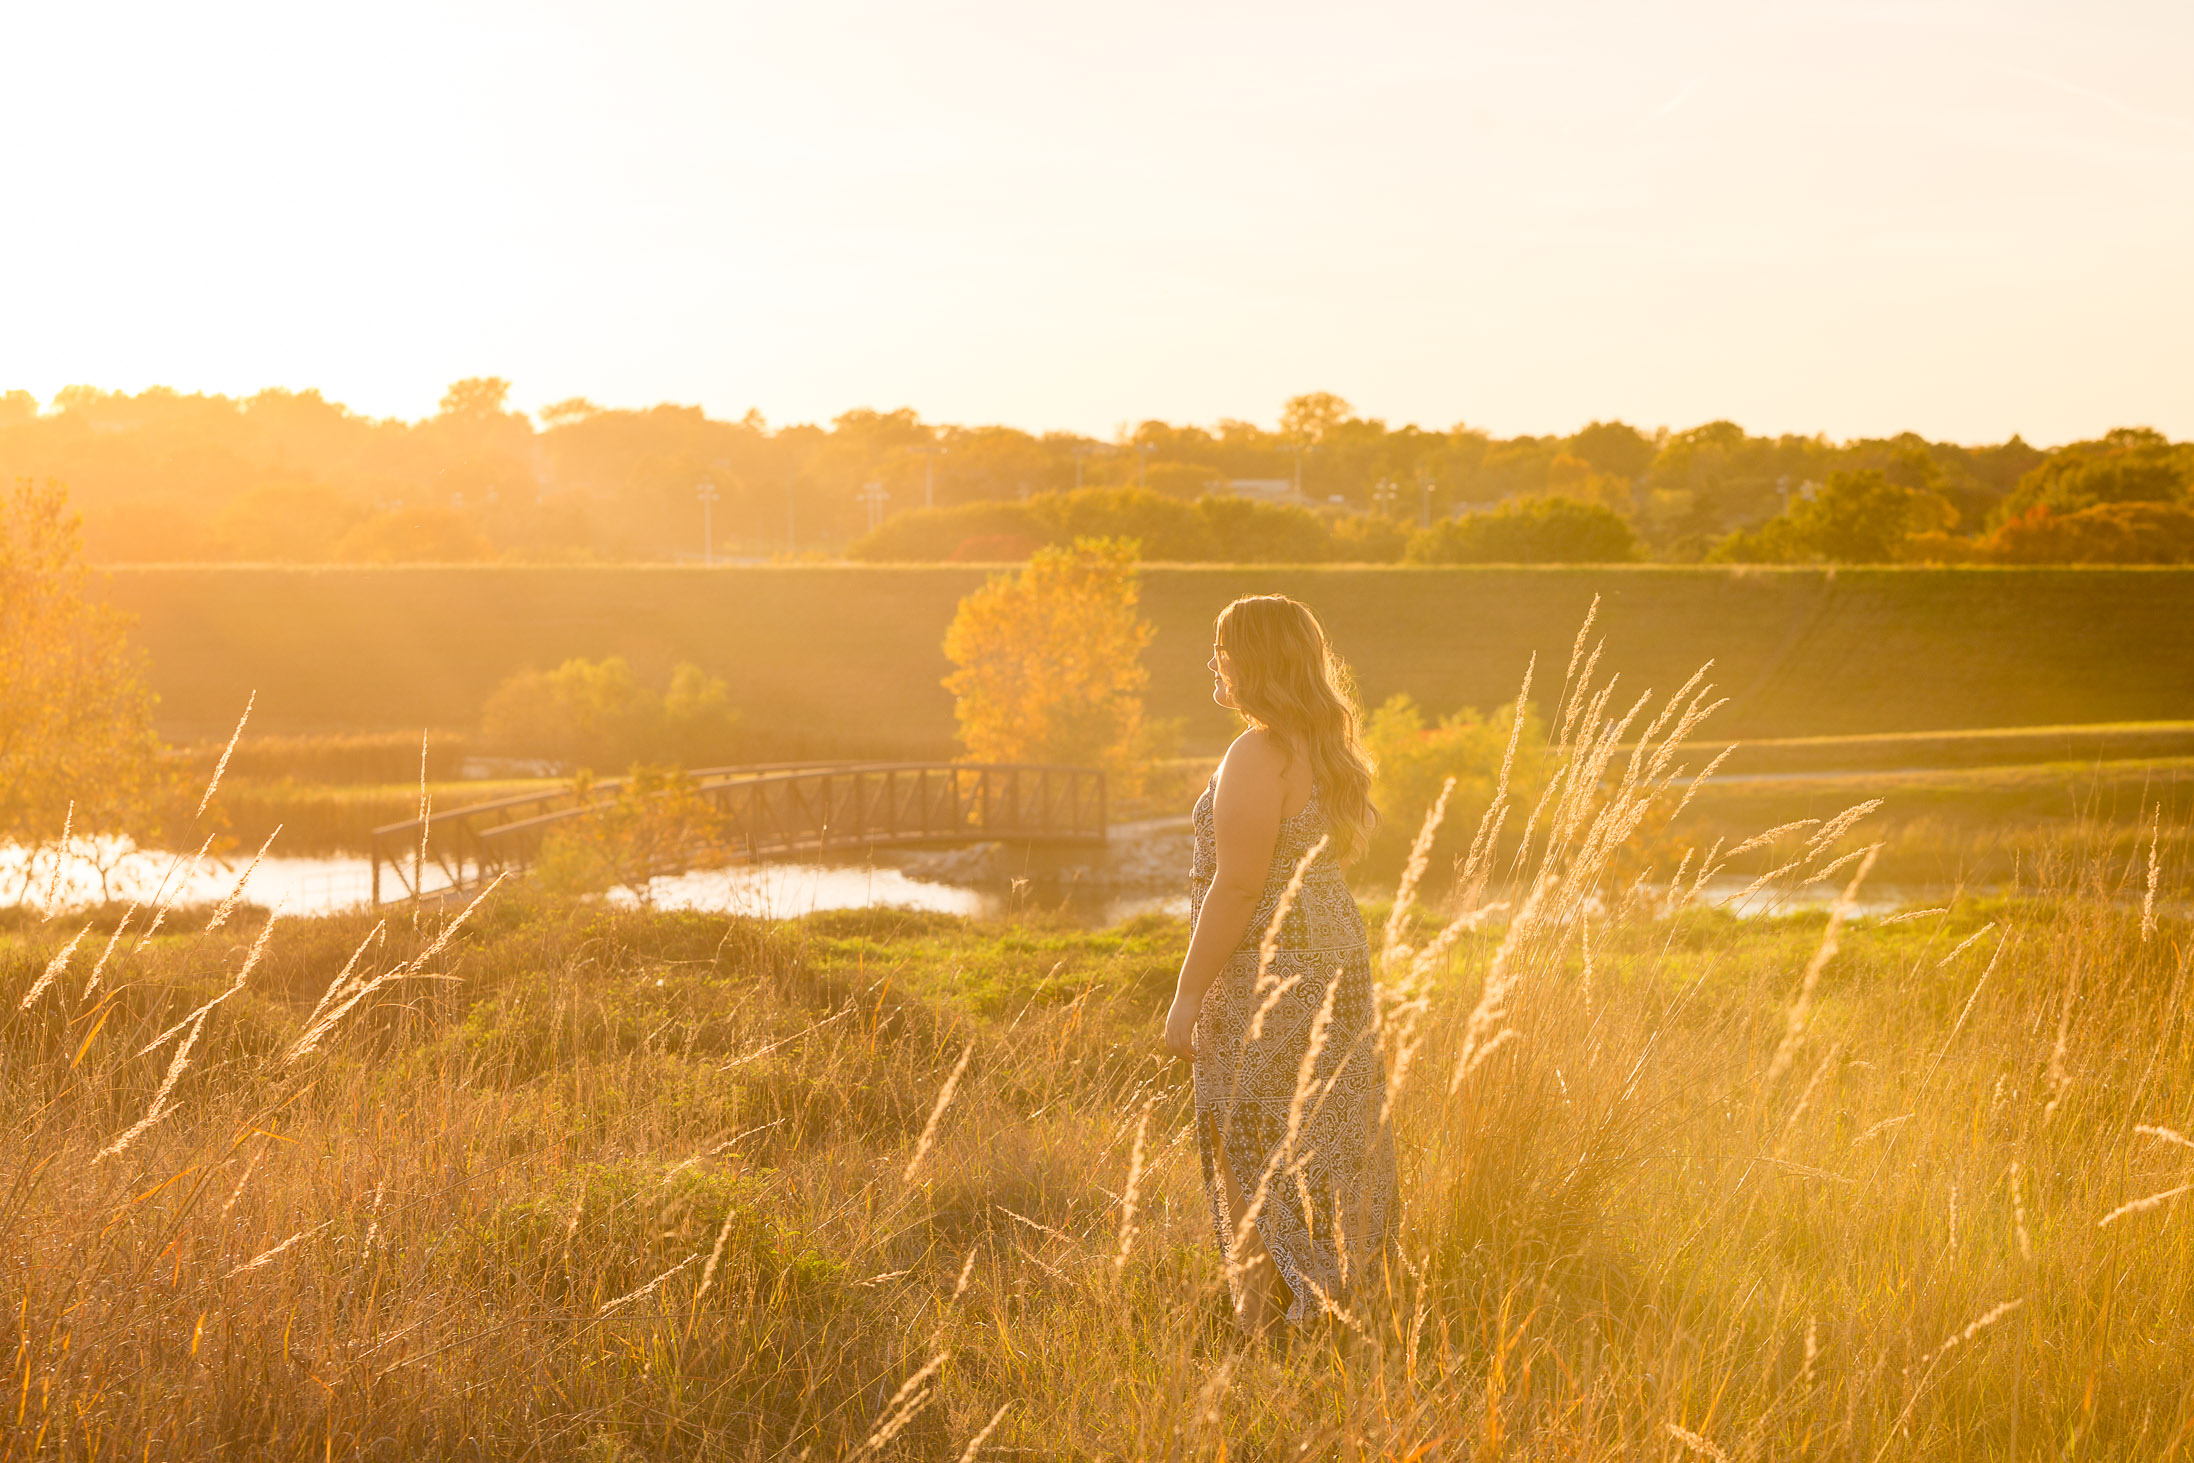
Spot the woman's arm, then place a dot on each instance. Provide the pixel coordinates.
(1246, 812)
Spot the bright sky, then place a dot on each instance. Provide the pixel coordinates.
(1967, 219)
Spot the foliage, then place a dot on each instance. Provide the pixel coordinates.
(163, 476)
(330, 757)
(282, 522)
(2119, 532)
(937, 534)
(1164, 528)
(1529, 531)
(75, 715)
(656, 823)
(1615, 448)
(1369, 538)
(418, 535)
(1412, 757)
(2128, 465)
(995, 548)
(1262, 533)
(1049, 663)
(1183, 479)
(1859, 517)
(597, 714)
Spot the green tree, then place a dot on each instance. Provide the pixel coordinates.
(1708, 480)
(596, 714)
(2127, 465)
(1856, 518)
(1048, 663)
(75, 715)
(1529, 531)
(1313, 417)
(1614, 447)
(482, 398)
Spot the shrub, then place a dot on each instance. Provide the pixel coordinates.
(423, 535)
(1250, 532)
(931, 535)
(1412, 757)
(657, 824)
(596, 714)
(1369, 538)
(1529, 531)
(1161, 527)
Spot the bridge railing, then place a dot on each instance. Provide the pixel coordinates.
(770, 811)
(457, 842)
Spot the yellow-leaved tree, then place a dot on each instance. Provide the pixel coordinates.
(77, 747)
(1048, 663)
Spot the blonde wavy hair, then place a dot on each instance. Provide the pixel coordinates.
(1283, 676)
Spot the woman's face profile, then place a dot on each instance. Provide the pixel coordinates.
(1220, 669)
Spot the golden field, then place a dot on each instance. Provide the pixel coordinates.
(557, 1180)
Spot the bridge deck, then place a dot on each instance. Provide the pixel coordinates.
(754, 813)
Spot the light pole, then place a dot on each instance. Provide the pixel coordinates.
(875, 497)
(1384, 496)
(929, 474)
(1080, 455)
(707, 494)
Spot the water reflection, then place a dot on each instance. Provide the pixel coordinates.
(770, 891)
(113, 869)
(787, 891)
(329, 885)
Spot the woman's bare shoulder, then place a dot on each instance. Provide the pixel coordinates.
(1256, 753)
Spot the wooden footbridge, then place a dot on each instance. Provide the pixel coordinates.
(770, 811)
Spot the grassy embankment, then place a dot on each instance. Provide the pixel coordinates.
(583, 1184)
(833, 659)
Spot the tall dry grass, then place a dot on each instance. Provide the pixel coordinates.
(567, 1182)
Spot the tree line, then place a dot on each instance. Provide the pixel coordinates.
(289, 476)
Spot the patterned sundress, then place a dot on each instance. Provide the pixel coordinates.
(1329, 1204)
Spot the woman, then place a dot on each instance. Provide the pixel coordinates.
(1300, 1178)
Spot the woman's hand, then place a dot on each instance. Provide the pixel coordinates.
(1180, 1032)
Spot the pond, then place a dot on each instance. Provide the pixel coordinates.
(345, 881)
